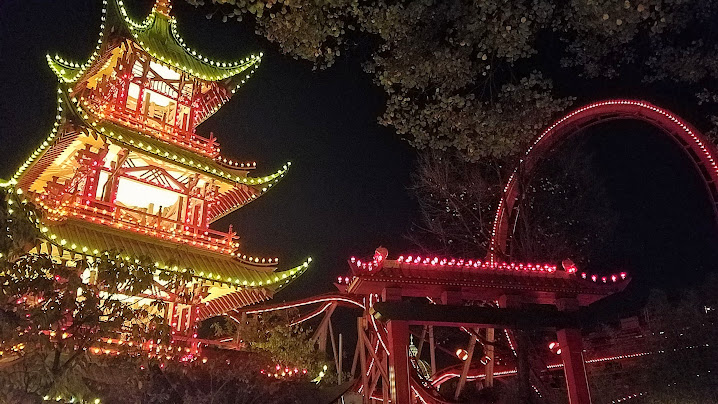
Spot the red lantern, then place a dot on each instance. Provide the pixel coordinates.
(462, 354)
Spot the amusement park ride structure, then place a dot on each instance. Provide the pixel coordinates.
(481, 296)
(124, 169)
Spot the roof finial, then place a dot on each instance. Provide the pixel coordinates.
(163, 7)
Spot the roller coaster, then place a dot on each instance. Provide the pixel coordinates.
(489, 300)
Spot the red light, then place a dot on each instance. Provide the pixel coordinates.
(554, 347)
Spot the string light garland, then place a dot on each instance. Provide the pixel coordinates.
(58, 64)
(64, 69)
(446, 263)
(269, 180)
(629, 397)
(95, 124)
(449, 375)
(284, 372)
(435, 263)
(643, 110)
(223, 70)
(44, 145)
(54, 239)
(270, 278)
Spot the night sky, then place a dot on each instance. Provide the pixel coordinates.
(347, 192)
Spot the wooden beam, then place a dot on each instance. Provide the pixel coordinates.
(421, 342)
(465, 368)
(334, 348)
(362, 360)
(490, 349)
(373, 354)
(531, 317)
(341, 355)
(432, 350)
(321, 333)
(356, 356)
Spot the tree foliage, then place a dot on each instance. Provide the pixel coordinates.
(679, 336)
(563, 210)
(58, 318)
(228, 377)
(272, 338)
(478, 77)
(476, 81)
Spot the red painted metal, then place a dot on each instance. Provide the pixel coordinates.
(701, 151)
(399, 377)
(574, 366)
(453, 281)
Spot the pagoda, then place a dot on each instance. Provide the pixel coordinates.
(124, 169)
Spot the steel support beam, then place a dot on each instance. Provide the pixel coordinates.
(489, 348)
(571, 344)
(400, 389)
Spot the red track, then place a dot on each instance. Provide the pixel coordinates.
(697, 147)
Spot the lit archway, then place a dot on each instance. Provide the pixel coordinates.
(701, 152)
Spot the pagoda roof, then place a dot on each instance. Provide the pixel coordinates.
(75, 236)
(158, 35)
(477, 279)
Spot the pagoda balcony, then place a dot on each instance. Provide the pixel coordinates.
(189, 140)
(172, 134)
(138, 221)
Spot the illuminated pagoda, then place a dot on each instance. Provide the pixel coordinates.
(124, 169)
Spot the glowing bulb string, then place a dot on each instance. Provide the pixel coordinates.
(659, 117)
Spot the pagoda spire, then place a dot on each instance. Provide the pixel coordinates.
(163, 6)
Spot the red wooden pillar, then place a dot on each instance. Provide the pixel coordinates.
(571, 344)
(399, 383)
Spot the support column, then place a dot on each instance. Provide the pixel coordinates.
(362, 361)
(398, 335)
(523, 369)
(432, 350)
(489, 368)
(466, 367)
(571, 345)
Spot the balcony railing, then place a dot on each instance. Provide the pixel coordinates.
(153, 225)
(184, 138)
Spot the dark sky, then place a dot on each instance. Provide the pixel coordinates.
(347, 191)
